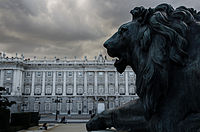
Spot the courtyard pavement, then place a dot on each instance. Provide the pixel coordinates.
(51, 127)
(69, 128)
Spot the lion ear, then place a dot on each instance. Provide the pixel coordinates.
(141, 14)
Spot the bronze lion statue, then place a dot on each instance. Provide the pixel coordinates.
(162, 46)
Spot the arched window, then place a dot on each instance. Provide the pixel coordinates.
(48, 90)
(58, 90)
(69, 89)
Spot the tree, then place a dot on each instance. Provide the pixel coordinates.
(4, 102)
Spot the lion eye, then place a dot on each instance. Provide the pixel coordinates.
(122, 30)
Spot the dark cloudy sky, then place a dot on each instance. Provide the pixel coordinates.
(66, 27)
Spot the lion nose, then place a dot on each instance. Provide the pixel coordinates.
(106, 44)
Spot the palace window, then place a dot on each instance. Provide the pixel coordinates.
(28, 74)
(131, 74)
(111, 89)
(47, 107)
(38, 90)
(59, 74)
(8, 88)
(101, 89)
(36, 107)
(80, 74)
(59, 106)
(121, 75)
(39, 74)
(80, 90)
(48, 90)
(79, 106)
(90, 89)
(90, 73)
(59, 90)
(8, 78)
(100, 73)
(121, 89)
(70, 74)
(131, 90)
(27, 89)
(49, 74)
(69, 89)
(111, 105)
(111, 74)
(9, 71)
(90, 106)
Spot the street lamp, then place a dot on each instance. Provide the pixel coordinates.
(69, 104)
(39, 107)
(57, 100)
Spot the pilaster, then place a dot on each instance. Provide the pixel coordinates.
(64, 83)
(43, 83)
(1, 78)
(106, 82)
(33, 83)
(126, 82)
(85, 83)
(54, 83)
(95, 82)
(116, 83)
(74, 92)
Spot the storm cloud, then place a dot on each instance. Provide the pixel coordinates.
(66, 27)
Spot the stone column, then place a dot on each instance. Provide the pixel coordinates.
(95, 82)
(17, 82)
(74, 92)
(126, 82)
(33, 83)
(1, 78)
(20, 84)
(116, 83)
(85, 83)
(64, 84)
(14, 85)
(54, 83)
(43, 83)
(106, 82)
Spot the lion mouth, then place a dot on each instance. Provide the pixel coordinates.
(120, 64)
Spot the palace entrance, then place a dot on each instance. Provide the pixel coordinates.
(100, 106)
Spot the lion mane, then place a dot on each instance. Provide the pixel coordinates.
(163, 44)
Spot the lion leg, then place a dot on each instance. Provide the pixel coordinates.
(128, 117)
(191, 123)
(169, 114)
(100, 121)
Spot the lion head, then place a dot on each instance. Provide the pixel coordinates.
(153, 42)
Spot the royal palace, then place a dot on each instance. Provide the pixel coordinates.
(67, 86)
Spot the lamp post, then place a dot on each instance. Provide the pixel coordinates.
(57, 100)
(39, 107)
(69, 102)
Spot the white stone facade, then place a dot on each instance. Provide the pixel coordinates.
(69, 86)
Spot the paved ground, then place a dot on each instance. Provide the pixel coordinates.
(74, 127)
(69, 128)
